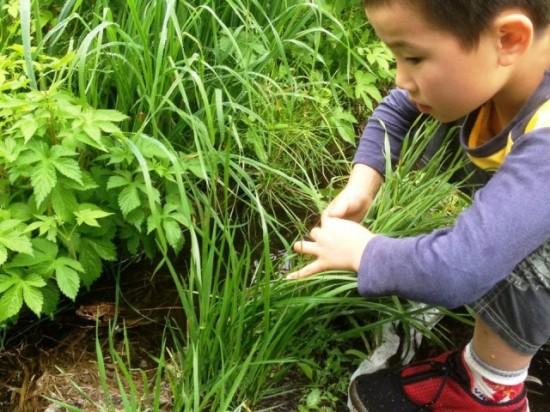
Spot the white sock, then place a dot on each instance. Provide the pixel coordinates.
(490, 383)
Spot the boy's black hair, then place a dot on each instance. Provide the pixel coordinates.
(467, 19)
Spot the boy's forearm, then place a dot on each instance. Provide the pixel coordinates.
(365, 178)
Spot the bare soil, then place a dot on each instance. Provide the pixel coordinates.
(45, 360)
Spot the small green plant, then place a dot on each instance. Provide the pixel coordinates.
(72, 184)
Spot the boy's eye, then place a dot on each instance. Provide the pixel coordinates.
(413, 60)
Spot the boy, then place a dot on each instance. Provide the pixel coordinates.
(487, 61)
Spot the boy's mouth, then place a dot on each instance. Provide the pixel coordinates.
(423, 108)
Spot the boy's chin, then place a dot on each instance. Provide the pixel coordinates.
(446, 118)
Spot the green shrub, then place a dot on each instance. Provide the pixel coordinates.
(72, 186)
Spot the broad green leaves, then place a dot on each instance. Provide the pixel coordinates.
(12, 238)
(73, 184)
(18, 289)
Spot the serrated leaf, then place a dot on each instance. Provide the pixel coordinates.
(33, 299)
(17, 242)
(43, 251)
(43, 180)
(119, 180)
(8, 225)
(128, 199)
(93, 132)
(69, 168)
(84, 138)
(3, 254)
(51, 299)
(9, 150)
(105, 248)
(7, 282)
(108, 115)
(46, 225)
(35, 280)
(28, 126)
(136, 218)
(63, 202)
(10, 303)
(90, 215)
(173, 233)
(91, 262)
(13, 238)
(68, 281)
(107, 127)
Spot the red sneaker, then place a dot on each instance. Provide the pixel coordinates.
(440, 384)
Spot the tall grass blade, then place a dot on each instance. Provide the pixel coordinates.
(25, 14)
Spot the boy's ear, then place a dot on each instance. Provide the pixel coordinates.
(515, 33)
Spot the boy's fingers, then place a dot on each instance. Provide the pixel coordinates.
(312, 269)
(337, 208)
(305, 247)
(315, 231)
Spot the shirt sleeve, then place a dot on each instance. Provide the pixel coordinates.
(393, 117)
(508, 219)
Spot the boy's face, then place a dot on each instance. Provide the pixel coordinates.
(441, 78)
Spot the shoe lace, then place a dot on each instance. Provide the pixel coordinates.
(443, 370)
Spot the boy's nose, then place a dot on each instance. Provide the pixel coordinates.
(403, 80)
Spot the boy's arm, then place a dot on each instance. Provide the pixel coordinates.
(508, 219)
(339, 242)
(392, 118)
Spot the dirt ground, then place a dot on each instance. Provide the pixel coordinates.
(57, 359)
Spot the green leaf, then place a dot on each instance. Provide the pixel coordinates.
(84, 138)
(33, 298)
(28, 126)
(136, 218)
(68, 280)
(93, 132)
(108, 115)
(7, 282)
(34, 280)
(69, 168)
(46, 225)
(13, 238)
(43, 180)
(89, 214)
(63, 202)
(91, 262)
(173, 233)
(104, 248)
(119, 180)
(314, 398)
(3, 254)
(51, 299)
(44, 252)
(107, 127)
(128, 199)
(11, 303)
(9, 149)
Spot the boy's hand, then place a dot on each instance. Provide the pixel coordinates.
(350, 204)
(338, 244)
(354, 201)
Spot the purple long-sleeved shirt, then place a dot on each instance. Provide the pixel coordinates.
(508, 219)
